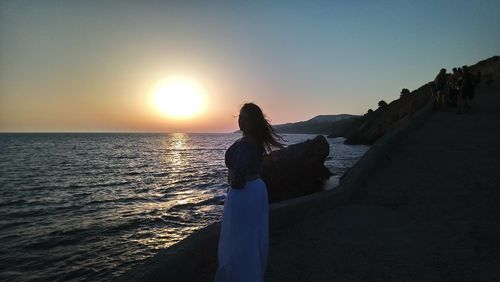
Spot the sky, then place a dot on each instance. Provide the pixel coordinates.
(92, 66)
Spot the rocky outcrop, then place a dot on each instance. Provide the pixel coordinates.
(322, 124)
(296, 170)
(490, 71)
(377, 123)
(345, 128)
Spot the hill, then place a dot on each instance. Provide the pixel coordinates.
(375, 123)
(322, 124)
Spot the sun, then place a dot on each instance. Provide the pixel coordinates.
(179, 97)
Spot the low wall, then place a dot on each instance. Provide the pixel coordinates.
(195, 258)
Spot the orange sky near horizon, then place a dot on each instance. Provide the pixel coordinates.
(86, 66)
(118, 99)
(127, 107)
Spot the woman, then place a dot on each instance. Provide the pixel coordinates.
(243, 242)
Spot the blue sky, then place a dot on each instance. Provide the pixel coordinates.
(88, 65)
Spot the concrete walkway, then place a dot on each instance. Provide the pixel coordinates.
(430, 212)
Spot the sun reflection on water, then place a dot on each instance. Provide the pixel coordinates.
(176, 217)
(176, 144)
(130, 195)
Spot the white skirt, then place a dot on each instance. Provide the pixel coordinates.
(244, 238)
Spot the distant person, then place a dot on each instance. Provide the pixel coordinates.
(453, 88)
(460, 77)
(440, 90)
(244, 237)
(466, 91)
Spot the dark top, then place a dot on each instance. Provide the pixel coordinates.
(440, 82)
(244, 159)
(468, 85)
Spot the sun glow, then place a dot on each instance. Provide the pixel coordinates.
(179, 97)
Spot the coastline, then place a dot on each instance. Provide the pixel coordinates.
(195, 257)
(428, 212)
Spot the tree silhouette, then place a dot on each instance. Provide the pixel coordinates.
(382, 104)
(405, 93)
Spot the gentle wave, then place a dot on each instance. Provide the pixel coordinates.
(90, 206)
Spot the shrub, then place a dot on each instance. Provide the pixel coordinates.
(382, 104)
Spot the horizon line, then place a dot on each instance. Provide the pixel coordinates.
(107, 132)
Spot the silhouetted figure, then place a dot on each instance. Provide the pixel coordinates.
(466, 91)
(460, 77)
(440, 90)
(453, 88)
(243, 242)
(478, 77)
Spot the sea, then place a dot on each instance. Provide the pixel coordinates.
(90, 206)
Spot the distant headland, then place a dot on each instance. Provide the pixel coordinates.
(370, 127)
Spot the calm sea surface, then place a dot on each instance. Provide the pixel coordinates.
(90, 206)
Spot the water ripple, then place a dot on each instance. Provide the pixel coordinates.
(90, 206)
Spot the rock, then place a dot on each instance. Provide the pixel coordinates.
(380, 121)
(345, 128)
(296, 170)
(322, 124)
(377, 123)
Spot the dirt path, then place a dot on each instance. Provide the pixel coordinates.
(430, 212)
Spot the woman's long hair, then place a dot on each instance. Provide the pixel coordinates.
(261, 129)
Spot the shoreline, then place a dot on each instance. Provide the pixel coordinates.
(428, 213)
(195, 257)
